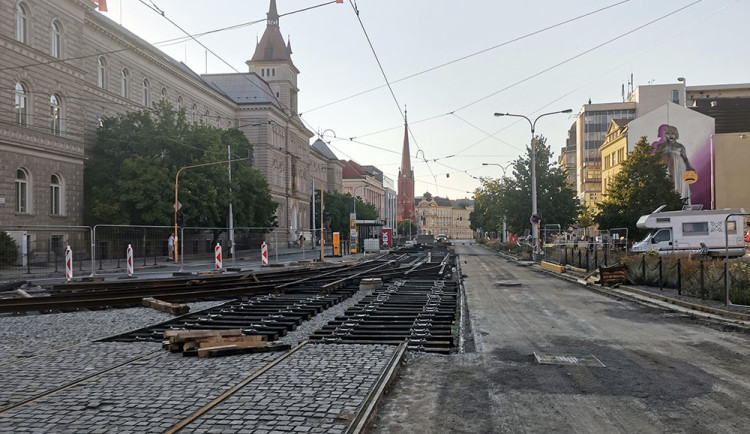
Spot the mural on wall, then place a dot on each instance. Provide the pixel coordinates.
(676, 159)
(684, 136)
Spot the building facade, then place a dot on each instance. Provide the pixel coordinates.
(66, 66)
(437, 215)
(614, 152)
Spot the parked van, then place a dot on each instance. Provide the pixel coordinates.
(683, 231)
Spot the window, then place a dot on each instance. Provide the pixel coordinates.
(662, 235)
(194, 114)
(146, 93)
(55, 40)
(55, 117)
(55, 195)
(179, 103)
(124, 83)
(698, 228)
(21, 23)
(163, 93)
(20, 108)
(101, 72)
(22, 191)
(675, 96)
(207, 115)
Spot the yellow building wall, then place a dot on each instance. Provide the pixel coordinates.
(732, 173)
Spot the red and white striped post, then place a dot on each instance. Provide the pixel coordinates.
(264, 254)
(217, 251)
(130, 260)
(68, 263)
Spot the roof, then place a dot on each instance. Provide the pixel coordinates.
(245, 88)
(272, 47)
(353, 170)
(321, 146)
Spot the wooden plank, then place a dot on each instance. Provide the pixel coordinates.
(164, 306)
(177, 336)
(239, 341)
(553, 267)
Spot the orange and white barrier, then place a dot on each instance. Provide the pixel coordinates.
(217, 252)
(130, 260)
(264, 254)
(68, 263)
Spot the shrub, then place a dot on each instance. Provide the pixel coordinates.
(8, 249)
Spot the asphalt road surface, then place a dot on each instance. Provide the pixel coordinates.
(617, 367)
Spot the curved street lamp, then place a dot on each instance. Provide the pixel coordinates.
(532, 124)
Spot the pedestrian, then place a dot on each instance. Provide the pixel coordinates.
(302, 241)
(170, 246)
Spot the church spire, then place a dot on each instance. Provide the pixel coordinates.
(272, 15)
(406, 180)
(405, 153)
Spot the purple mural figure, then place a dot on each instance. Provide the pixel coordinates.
(675, 157)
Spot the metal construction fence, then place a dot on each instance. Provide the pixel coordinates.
(40, 250)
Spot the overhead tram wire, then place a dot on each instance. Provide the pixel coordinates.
(545, 70)
(468, 56)
(385, 77)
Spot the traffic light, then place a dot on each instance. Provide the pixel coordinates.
(180, 218)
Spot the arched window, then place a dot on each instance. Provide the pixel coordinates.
(146, 93)
(124, 82)
(194, 114)
(21, 23)
(21, 108)
(55, 195)
(22, 191)
(55, 40)
(206, 116)
(179, 103)
(101, 72)
(163, 93)
(55, 114)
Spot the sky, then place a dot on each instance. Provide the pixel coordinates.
(453, 64)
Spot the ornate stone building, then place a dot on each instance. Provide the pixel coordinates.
(438, 215)
(64, 66)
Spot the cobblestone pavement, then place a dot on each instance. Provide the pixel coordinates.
(304, 393)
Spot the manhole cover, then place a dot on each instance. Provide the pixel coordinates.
(556, 359)
(508, 283)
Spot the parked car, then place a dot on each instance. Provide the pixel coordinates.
(441, 238)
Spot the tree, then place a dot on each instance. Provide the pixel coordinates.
(339, 206)
(511, 197)
(639, 188)
(130, 176)
(406, 228)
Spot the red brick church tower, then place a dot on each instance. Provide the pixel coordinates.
(406, 181)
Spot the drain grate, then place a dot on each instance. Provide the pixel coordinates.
(555, 359)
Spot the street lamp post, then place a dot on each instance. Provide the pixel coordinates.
(532, 124)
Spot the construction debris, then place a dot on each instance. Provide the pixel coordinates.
(163, 306)
(613, 275)
(211, 343)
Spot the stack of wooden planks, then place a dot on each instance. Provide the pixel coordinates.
(164, 306)
(613, 275)
(215, 343)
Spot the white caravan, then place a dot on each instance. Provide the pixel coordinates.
(683, 231)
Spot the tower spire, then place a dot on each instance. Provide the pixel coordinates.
(406, 180)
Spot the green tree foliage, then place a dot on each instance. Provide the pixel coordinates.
(8, 249)
(511, 197)
(406, 228)
(339, 206)
(639, 188)
(130, 176)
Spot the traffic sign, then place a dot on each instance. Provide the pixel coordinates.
(535, 219)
